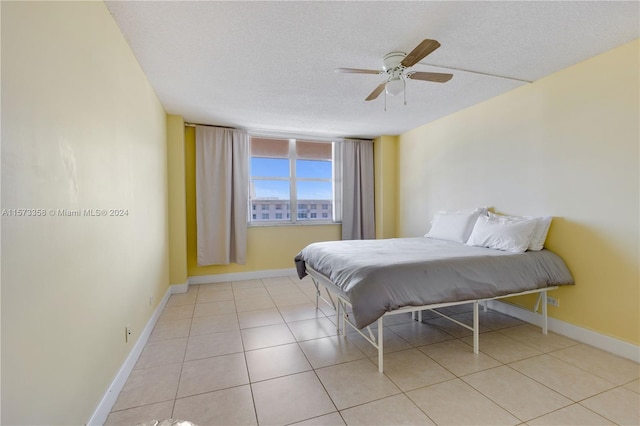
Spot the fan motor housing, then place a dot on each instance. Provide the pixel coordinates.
(392, 60)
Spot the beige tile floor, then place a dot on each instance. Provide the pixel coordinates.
(258, 352)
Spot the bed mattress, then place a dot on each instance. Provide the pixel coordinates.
(378, 276)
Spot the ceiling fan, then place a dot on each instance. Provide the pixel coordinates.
(395, 68)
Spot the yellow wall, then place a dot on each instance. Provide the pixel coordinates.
(177, 200)
(384, 157)
(565, 146)
(81, 129)
(268, 247)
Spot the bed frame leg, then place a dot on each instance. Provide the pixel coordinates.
(338, 316)
(419, 316)
(380, 346)
(476, 328)
(315, 283)
(537, 305)
(545, 324)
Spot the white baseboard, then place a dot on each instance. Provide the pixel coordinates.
(109, 399)
(598, 340)
(240, 276)
(179, 288)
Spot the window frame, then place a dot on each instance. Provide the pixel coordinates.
(292, 203)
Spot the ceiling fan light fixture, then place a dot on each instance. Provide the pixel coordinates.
(395, 86)
(395, 66)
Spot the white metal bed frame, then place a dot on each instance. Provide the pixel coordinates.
(342, 315)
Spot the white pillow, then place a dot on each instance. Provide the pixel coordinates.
(454, 225)
(494, 233)
(540, 232)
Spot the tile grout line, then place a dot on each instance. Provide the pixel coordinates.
(244, 356)
(312, 368)
(184, 355)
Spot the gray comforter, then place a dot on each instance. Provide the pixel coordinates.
(378, 276)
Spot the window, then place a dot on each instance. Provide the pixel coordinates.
(293, 175)
(265, 216)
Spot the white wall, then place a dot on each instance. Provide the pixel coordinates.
(81, 129)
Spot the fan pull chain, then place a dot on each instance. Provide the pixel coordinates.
(404, 81)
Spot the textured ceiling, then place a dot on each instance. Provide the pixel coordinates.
(268, 66)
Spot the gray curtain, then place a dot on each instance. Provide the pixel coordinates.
(358, 218)
(222, 193)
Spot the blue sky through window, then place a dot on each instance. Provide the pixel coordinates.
(314, 191)
(270, 167)
(313, 169)
(279, 189)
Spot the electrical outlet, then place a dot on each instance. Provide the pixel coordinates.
(127, 333)
(553, 301)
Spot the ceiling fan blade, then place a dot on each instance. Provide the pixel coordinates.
(430, 76)
(376, 92)
(423, 49)
(356, 71)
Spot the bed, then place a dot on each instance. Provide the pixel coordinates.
(367, 280)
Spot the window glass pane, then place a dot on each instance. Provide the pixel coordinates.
(270, 190)
(312, 196)
(313, 169)
(262, 147)
(315, 193)
(270, 167)
(313, 150)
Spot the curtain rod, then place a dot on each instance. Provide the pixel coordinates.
(278, 134)
(208, 125)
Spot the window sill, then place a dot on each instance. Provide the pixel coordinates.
(269, 224)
